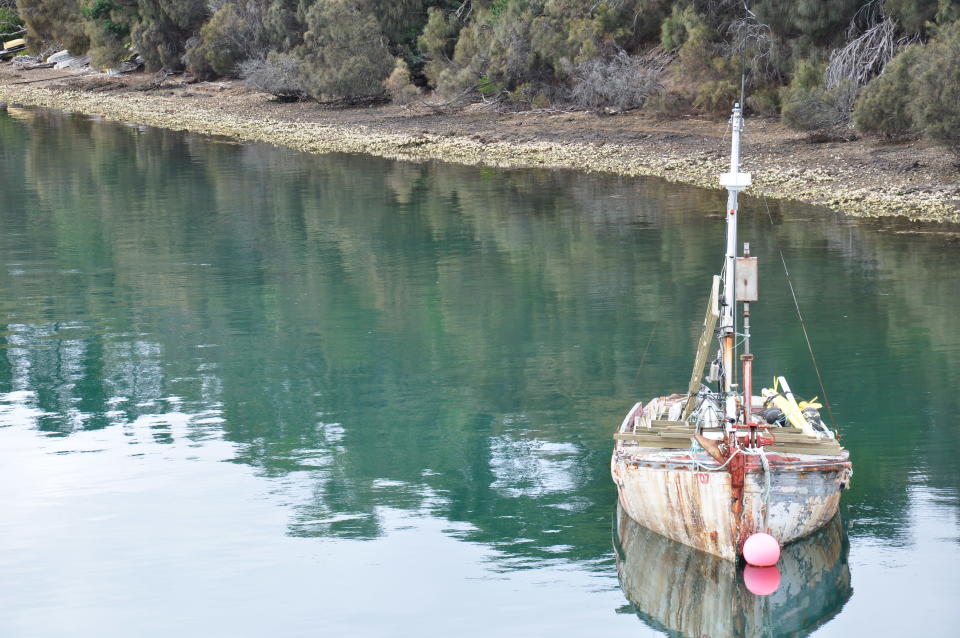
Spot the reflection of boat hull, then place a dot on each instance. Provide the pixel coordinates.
(682, 590)
(684, 495)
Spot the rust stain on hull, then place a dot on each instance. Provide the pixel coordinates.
(661, 490)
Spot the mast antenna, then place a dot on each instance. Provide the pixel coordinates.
(734, 181)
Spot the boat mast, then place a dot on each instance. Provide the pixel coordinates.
(734, 181)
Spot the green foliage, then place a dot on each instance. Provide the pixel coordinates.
(344, 54)
(533, 51)
(885, 105)
(913, 15)
(813, 21)
(765, 101)
(398, 85)
(224, 41)
(57, 21)
(162, 28)
(10, 20)
(108, 27)
(534, 44)
(708, 77)
(437, 43)
(936, 107)
(810, 106)
(673, 31)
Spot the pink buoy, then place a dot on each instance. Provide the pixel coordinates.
(761, 581)
(761, 550)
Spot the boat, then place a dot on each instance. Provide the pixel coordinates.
(805, 590)
(715, 465)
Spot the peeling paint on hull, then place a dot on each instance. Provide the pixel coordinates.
(665, 491)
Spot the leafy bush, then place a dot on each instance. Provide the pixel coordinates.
(59, 21)
(820, 109)
(531, 48)
(278, 74)
(398, 85)
(225, 40)
(809, 106)
(621, 83)
(10, 21)
(885, 105)
(343, 52)
(162, 28)
(668, 104)
(437, 43)
(108, 27)
(936, 107)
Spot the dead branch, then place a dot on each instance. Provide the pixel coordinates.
(864, 56)
(157, 82)
(56, 77)
(455, 103)
(750, 40)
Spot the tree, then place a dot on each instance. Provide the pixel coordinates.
(233, 33)
(936, 106)
(885, 106)
(57, 21)
(344, 53)
(162, 27)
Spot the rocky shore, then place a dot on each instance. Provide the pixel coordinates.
(860, 178)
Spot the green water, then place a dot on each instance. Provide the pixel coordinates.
(251, 392)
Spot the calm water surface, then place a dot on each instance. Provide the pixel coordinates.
(248, 392)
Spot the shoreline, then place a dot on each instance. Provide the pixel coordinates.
(688, 151)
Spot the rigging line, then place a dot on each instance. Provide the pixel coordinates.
(803, 325)
(643, 357)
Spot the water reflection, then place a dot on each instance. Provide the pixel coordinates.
(675, 588)
(448, 342)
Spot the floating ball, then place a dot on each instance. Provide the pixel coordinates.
(761, 581)
(761, 550)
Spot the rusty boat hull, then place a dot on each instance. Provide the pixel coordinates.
(685, 495)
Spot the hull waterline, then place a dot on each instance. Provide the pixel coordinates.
(676, 494)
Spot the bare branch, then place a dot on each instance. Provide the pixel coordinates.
(865, 56)
(750, 40)
(620, 83)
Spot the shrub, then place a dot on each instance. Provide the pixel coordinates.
(108, 27)
(710, 77)
(673, 30)
(820, 109)
(936, 107)
(162, 29)
(765, 101)
(343, 52)
(437, 43)
(809, 106)
(621, 83)
(885, 105)
(278, 74)
(668, 104)
(398, 85)
(59, 21)
(10, 21)
(225, 40)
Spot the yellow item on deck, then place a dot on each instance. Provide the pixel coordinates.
(790, 410)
